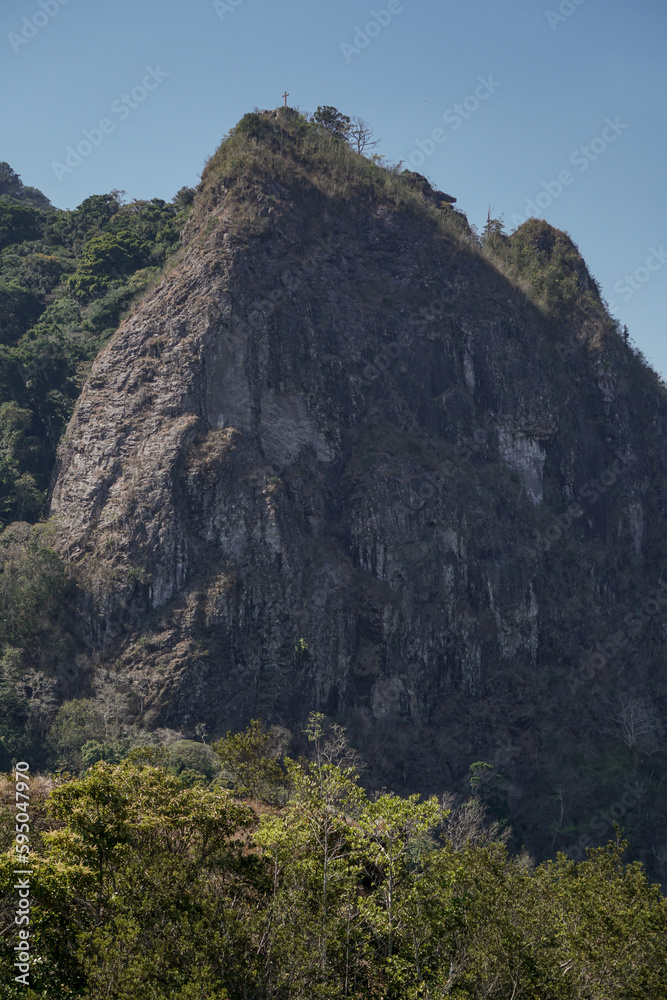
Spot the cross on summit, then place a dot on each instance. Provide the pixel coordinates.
(285, 95)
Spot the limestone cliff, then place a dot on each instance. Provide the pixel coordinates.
(342, 458)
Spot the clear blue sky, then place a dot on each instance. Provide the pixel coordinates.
(552, 82)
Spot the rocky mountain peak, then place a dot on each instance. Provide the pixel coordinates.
(347, 457)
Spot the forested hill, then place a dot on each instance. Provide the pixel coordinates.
(66, 278)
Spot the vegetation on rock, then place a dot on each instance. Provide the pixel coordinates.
(66, 279)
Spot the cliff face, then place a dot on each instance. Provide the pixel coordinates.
(337, 460)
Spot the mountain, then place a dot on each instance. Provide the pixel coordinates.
(347, 456)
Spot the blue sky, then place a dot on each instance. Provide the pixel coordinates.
(560, 104)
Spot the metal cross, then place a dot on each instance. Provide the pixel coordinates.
(285, 95)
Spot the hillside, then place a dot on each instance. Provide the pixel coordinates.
(345, 455)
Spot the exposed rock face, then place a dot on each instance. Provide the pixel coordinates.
(341, 424)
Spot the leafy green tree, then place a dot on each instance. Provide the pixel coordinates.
(250, 759)
(94, 213)
(12, 189)
(111, 752)
(152, 847)
(34, 591)
(107, 258)
(77, 723)
(19, 494)
(9, 179)
(14, 720)
(19, 309)
(609, 922)
(29, 266)
(333, 121)
(188, 755)
(392, 833)
(493, 234)
(183, 198)
(147, 220)
(311, 856)
(18, 223)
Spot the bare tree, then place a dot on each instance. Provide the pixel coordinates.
(360, 134)
(638, 724)
(165, 737)
(467, 824)
(111, 705)
(660, 855)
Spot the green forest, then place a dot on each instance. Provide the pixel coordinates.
(66, 280)
(238, 872)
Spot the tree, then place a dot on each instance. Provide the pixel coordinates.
(20, 307)
(250, 758)
(12, 188)
(608, 924)
(145, 923)
(310, 851)
(94, 212)
(638, 725)
(34, 593)
(392, 834)
(188, 755)
(10, 181)
(360, 135)
(107, 258)
(19, 494)
(183, 198)
(333, 121)
(77, 723)
(493, 234)
(18, 223)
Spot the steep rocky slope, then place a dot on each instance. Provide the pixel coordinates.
(344, 458)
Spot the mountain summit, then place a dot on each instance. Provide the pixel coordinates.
(348, 456)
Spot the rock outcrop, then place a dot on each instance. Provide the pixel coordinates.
(337, 460)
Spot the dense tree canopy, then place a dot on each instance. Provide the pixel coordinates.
(66, 278)
(146, 885)
(333, 121)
